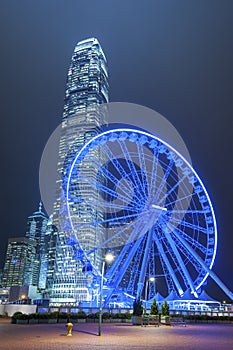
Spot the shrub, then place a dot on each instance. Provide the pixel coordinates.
(81, 315)
(106, 315)
(77, 316)
(118, 316)
(128, 315)
(137, 308)
(165, 309)
(62, 315)
(43, 315)
(16, 314)
(154, 308)
(22, 317)
(176, 315)
(53, 314)
(39, 315)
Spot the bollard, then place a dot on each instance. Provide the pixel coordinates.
(69, 329)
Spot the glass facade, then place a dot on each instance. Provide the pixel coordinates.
(48, 263)
(36, 232)
(27, 257)
(87, 80)
(18, 268)
(86, 89)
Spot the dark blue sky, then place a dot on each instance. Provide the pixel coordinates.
(172, 56)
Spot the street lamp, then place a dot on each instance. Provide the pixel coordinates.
(150, 279)
(108, 258)
(23, 298)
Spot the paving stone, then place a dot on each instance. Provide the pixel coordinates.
(115, 336)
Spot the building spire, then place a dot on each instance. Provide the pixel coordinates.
(40, 207)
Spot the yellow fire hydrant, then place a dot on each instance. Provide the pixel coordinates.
(69, 329)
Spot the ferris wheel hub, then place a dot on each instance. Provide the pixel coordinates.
(154, 206)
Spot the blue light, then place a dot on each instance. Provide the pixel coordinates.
(142, 138)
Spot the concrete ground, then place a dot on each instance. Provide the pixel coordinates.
(115, 336)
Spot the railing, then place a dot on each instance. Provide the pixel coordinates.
(150, 320)
(177, 321)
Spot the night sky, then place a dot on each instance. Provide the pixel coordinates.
(175, 57)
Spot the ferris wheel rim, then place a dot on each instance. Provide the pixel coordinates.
(133, 130)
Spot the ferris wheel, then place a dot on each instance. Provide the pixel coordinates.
(129, 192)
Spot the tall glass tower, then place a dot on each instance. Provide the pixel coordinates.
(36, 232)
(86, 89)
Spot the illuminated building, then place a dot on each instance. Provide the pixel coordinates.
(86, 88)
(36, 232)
(26, 257)
(48, 258)
(18, 268)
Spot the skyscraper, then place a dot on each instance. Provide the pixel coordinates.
(86, 88)
(49, 257)
(87, 80)
(26, 257)
(18, 268)
(36, 232)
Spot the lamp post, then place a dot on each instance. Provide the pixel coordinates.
(23, 298)
(150, 279)
(108, 258)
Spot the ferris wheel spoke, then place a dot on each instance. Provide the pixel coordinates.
(164, 179)
(188, 225)
(117, 165)
(181, 199)
(189, 239)
(170, 253)
(91, 182)
(131, 166)
(135, 235)
(163, 256)
(189, 259)
(108, 205)
(154, 175)
(167, 194)
(101, 222)
(110, 176)
(186, 276)
(177, 211)
(105, 189)
(142, 165)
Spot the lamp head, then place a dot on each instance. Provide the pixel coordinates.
(109, 257)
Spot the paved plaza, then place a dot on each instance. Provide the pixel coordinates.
(115, 336)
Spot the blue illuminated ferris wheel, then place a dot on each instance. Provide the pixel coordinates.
(131, 193)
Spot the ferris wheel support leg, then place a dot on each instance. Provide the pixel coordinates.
(115, 265)
(205, 267)
(181, 263)
(170, 269)
(144, 265)
(115, 282)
